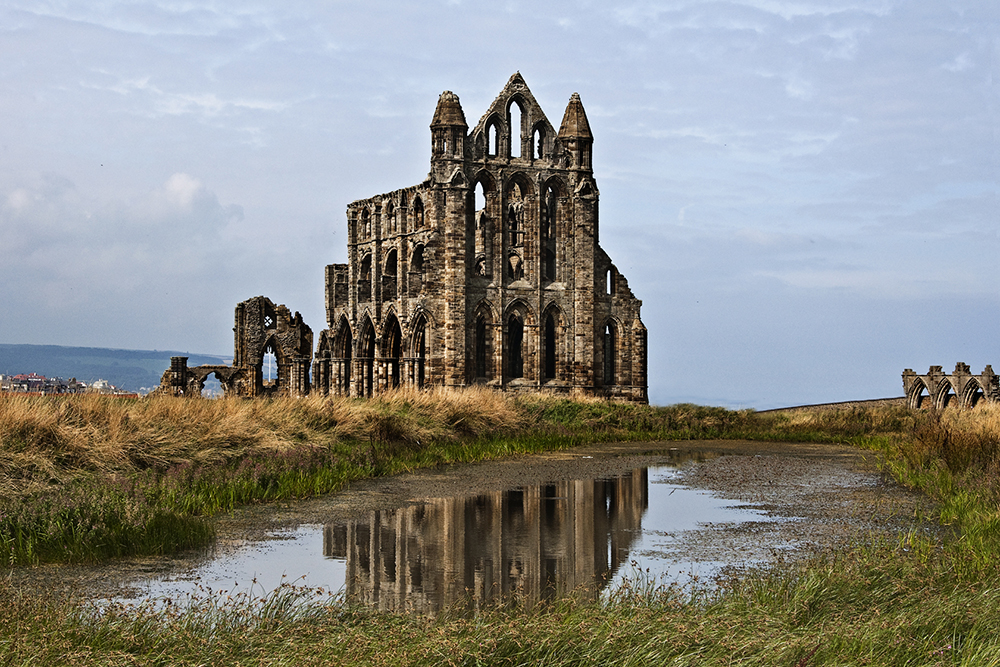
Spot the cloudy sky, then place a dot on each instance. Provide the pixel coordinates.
(803, 193)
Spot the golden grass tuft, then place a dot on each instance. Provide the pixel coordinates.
(52, 440)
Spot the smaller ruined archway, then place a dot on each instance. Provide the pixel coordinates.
(417, 361)
(611, 342)
(916, 395)
(392, 338)
(366, 358)
(972, 393)
(515, 346)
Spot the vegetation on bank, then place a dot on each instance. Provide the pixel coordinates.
(87, 478)
(917, 601)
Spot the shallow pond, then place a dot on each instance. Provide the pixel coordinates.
(532, 528)
(534, 542)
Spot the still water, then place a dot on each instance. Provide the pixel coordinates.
(531, 542)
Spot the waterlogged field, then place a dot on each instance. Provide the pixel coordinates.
(87, 479)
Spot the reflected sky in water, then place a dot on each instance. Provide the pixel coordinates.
(529, 543)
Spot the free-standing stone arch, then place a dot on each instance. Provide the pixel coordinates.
(259, 325)
(960, 387)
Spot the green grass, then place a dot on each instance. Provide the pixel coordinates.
(918, 600)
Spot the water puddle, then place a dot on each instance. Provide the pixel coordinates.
(474, 533)
(530, 543)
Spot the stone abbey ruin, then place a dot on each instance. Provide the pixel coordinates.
(488, 272)
(940, 389)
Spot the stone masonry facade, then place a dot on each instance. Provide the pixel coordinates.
(488, 272)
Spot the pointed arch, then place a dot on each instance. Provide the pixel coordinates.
(418, 212)
(418, 348)
(944, 394)
(483, 344)
(972, 393)
(515, 123)
(392, 339)
(550, 226)
(389, 271)
(415, 277)
(366, 223)
(519, 195)
(343, 346)
(517, 346)
(366, 358)
(365, 278)
(538, 141)
(494, 130)
(271, 379)
(390, 217)
(483, 204)
(551, 343)
(611, 350)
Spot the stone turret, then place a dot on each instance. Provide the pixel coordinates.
(574, 134)
(448, 132)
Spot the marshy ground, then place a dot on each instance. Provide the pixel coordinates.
(92, 481)
(824, 497)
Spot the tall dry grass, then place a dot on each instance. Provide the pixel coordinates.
(46, 441)
(88, 477)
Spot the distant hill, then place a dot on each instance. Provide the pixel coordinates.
(129, 369)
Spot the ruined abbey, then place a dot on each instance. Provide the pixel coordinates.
(490, 271)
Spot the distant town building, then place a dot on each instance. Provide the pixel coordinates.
(33, 383)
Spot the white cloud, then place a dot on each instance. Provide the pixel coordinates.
(179, 103)
(182, 188)
(961, 63)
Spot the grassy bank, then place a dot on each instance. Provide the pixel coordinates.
(88, 478)
(916, 601)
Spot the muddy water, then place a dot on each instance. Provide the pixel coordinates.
(533, 528)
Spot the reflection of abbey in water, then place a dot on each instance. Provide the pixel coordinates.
(534, 543)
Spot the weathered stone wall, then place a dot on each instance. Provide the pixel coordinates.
(260, 328)
(961, 387)
(490, 271)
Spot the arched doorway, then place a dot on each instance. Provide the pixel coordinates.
(515, 349)
(610, 352)
(366, 359)
(391, 343)
(418, 352)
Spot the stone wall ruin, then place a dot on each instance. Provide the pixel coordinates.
(488, 272)
(960, 388)
(261, 329)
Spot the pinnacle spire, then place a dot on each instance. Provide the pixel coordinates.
(449, 111)
(574, 122)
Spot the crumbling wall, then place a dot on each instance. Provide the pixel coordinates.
(261, 328)
(488, 272)
(961, 387)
